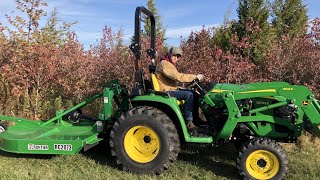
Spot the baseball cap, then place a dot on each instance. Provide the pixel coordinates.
(176, 51)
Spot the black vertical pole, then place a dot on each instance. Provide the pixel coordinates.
(136, 48)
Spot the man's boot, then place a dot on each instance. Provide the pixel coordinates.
(194, 130)
(190, 125)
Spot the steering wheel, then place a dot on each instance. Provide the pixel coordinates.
(195, 85)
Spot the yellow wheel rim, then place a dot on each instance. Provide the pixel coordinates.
(262, 164)
(141, 144)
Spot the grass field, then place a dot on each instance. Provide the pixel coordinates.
(195, 162)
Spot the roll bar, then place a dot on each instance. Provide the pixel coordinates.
(139, 87)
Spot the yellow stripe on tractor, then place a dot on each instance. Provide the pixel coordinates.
(218, 90)
(258, 91)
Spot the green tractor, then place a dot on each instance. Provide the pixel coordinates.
(145, 127)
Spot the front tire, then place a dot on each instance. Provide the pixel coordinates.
(144, 140)
(262, 158)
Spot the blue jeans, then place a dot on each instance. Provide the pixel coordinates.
(187, 96)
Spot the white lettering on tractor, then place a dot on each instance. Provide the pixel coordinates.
(106, 100)
(37, 147)
(63, 147)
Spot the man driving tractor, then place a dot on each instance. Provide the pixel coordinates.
(168, 77)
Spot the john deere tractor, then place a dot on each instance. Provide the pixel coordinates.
(145, 127)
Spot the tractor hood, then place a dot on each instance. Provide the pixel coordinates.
(252, 90)
(264, 87)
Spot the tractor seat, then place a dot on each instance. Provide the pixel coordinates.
(156, 87)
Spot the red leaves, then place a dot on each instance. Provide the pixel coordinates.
(315, 30)
(5, 68)
(296, 61)
(215, 63)
(218, 53)
(35, 73)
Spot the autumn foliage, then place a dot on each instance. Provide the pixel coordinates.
(39, 77)
(294, 60)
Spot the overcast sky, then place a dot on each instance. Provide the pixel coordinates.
(179, 18)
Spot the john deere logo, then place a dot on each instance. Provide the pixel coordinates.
(305, 103)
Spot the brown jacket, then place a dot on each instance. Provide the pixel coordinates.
(168, 76)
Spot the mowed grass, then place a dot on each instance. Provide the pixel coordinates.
(195, 162)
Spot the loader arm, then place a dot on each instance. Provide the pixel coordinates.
(261, 119)
(312, 117)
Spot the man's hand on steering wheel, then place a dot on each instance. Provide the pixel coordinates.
(200, 77)
(192, 84)
(195, 85)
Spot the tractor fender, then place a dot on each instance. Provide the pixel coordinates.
(167, 105)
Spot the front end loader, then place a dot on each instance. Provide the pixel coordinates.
(146, 126)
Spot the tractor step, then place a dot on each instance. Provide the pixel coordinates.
(194, 133)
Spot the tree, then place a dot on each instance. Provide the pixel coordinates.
(223, 34)
(289, 17)
(296, 60)
(28, 27)
(55, 31)
(26, 33)
(258, 10)
(27, 59)
(215, 63)
(253, 24)
(160, 31)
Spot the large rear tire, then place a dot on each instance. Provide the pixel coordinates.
(262, 158)
(144, 140)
